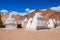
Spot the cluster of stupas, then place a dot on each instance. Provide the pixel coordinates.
(35, 21)
(10, 22)
(38, 22)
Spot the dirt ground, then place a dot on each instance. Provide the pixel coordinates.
(22, 34)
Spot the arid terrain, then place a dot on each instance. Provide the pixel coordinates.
(23, 34)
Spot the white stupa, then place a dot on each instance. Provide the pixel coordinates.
(10, 22)
(24, 22)
(52, 23)
(38, 22)
(29, 24)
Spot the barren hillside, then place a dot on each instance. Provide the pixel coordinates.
(47, 14)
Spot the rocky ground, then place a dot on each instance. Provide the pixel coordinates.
(23, 34)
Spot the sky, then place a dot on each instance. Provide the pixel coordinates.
(21, 5)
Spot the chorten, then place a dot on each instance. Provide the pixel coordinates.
(52, 23)
(29, 24)
(38, 22)
(11, 22)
